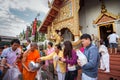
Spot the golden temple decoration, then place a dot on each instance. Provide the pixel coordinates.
(68, 17)
(76, 16)
(66, 11)
(65, 24)
(107, 14)
(56, 37)
(103, 8)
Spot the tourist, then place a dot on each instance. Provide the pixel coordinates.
(49, 63)
(70, 58)
(90, 69)
(11, 54)
(104, 62)
(1, 49)
(59, 66)
(113, 38)
(1, 64)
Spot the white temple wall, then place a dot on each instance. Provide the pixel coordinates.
(91, 11)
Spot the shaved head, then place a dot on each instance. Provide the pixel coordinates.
(33, 45)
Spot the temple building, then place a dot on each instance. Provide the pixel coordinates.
(71, 18)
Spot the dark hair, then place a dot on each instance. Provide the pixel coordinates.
(101, 42)
(29, 40)
(50, 43)
(68, 49)
(15, 41)
(114, 32)
(58, 46)
(1, 47)
(41, 47)
(86, 36)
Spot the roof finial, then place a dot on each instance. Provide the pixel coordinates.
(103, 8)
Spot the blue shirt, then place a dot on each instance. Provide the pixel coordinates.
(93, 57)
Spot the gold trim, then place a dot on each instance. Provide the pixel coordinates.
(76, 43)
(98, 28)
(63, 20)
(106, 23)
(114, 28)
(102, 14)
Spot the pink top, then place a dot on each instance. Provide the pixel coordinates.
(82, 49)
(49, 51)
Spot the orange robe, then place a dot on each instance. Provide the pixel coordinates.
(32, 56)
(19, 64)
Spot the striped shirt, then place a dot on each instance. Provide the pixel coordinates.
(11, 55)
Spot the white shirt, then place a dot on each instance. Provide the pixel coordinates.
(104, 49)
(28, 47)
(113, 37)
(11, 55)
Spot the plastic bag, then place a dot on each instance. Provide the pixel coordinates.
(81, 57)
(12, 74)
(38, 75)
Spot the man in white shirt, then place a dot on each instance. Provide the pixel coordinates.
(113, 41)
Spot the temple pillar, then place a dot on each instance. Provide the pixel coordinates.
(76, 8)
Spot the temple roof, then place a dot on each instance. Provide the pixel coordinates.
(54, 9)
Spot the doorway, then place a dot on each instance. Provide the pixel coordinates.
(105, 31)
(67, 34)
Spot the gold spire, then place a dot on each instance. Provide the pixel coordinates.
(103, 8)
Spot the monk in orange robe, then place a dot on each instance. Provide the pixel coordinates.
(30, 55)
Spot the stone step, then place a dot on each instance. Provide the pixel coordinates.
(108, 76)
(115, 56)
(114, 59)
(114, 73)
(112, 62)
(114, 69)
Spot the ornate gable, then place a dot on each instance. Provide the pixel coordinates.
(105, 17)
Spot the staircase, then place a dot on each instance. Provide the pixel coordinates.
(114, 69)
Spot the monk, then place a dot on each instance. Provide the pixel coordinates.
(30, 55)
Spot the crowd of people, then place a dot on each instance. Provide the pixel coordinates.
(60, 59)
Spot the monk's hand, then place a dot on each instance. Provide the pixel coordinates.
(38, 60)
(31, 70)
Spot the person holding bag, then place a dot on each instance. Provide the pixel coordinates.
(59, 66)
(89, 68)
(70, 58)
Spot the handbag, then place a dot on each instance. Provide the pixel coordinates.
(71, 67)
(81, 57)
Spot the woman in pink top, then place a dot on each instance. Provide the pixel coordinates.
(82, 48)
(49, 63)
